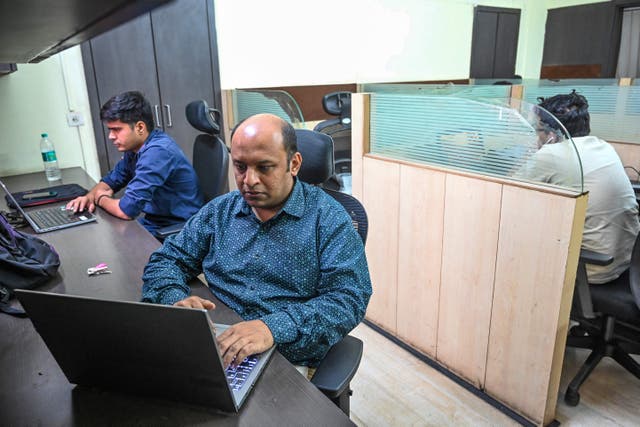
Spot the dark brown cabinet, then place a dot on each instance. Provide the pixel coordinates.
(170, 55)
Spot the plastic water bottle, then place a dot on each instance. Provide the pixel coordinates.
(49, 159)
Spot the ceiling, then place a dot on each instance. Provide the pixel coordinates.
(33, 30)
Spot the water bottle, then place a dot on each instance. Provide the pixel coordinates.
(49, 159)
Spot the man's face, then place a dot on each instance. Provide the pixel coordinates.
(262, 172)
(126, 137)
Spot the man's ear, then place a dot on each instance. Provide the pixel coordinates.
(296, 162)
(140, 127)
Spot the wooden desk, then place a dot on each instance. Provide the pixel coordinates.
(33, 389)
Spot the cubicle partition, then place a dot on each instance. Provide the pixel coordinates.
(473, 269)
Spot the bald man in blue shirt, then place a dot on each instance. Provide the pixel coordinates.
(282, 253)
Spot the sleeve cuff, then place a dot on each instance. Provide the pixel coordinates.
(128, 207)
(282, 327)
(167, 297)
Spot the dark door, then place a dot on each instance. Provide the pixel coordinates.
(495, 42)
(582, 41)
(123, 60)
(181, 41)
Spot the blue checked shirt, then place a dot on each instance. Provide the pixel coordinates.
(303, 272)
(160, 181)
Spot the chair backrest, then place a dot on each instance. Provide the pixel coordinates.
(338, 104)
(210, 154)
(317, 167)
(634, 271)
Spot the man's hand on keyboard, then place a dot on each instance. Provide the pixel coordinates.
(244, 339)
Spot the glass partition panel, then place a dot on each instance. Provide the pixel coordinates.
(278, 102)
(516, 140)
(614, 110)
(463, 91)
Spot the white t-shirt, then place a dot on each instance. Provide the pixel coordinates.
(611, 223)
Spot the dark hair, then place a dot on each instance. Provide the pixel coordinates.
(128, 107)
(572, 110)
(290, 140)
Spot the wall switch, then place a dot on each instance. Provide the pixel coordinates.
(75, 119)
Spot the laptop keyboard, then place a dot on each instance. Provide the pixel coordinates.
(236, 376)
(46, 218)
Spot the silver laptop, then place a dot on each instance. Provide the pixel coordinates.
(50, 218)
(146, 349)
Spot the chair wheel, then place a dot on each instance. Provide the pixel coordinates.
(572, 398)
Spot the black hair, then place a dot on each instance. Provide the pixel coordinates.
(128, 107)
(290, 141)
(572, 110)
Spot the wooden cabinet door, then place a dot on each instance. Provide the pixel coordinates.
(184, 64)
(123, 60)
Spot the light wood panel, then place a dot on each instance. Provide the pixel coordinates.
(359, 140)
(419, 248)
(533, 288)
(381, 201)
(471, 219)
(629, 154)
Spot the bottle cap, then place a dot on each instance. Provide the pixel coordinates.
(44, 135)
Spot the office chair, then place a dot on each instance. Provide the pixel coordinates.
(210, 156)
(608, 317)
(333, 375)
(338, 104)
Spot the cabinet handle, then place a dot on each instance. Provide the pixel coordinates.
(168, 107)
(157, 110)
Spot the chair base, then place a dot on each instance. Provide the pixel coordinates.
(607, 344)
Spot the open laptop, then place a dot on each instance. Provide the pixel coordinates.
(52, 217)
(146, 349)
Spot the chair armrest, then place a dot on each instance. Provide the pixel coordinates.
(582, 303)
(336, 370)
(595, 258)
(164, 232)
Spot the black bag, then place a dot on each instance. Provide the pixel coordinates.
(25, 262)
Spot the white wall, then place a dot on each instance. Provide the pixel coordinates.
(283, 42)
(36, 99)
(273, 43)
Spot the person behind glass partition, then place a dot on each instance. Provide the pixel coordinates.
(611, 222)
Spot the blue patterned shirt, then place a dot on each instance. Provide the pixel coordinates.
(160, 182)
(303, 272)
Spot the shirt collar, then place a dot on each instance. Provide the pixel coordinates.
(294, 205)
(152, 135)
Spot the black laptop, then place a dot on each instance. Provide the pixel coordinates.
(50, 218)
(145, 349)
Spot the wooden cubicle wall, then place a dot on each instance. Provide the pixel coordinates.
(475, 272)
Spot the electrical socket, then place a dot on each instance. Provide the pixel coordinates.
(75, 119)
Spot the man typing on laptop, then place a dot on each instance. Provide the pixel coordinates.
(160, 182)
(281, 253)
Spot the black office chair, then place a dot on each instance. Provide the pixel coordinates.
(608, 317)
(338, 104)
(210, 156)
(333, 375)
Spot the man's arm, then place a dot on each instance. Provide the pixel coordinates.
(305, 331)
(166, 276)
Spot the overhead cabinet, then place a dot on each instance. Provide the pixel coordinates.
(170, 55)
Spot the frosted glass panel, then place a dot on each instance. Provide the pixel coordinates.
(462, 91)
(490, 138)
(614, 110)
(278, 102)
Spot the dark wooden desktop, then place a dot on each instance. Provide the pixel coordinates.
(33, 389)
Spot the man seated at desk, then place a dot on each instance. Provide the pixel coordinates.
(611, 223)
(160, 182)
(282, 253)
